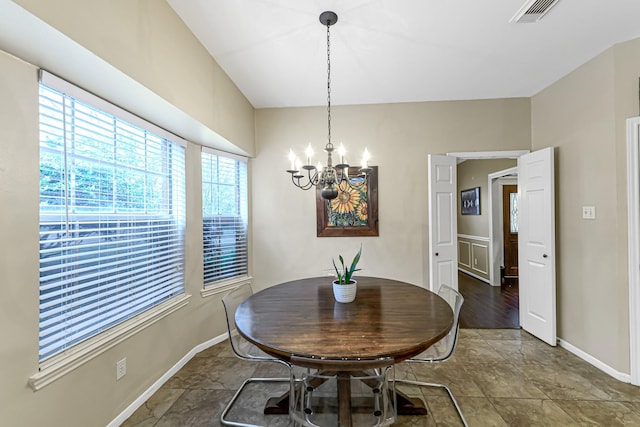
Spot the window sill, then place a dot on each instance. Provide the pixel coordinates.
(62, 364)
(224, 286)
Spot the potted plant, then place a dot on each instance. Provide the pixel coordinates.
(344, 287)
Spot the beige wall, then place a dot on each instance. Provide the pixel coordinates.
(147, 41)
(583, 115)
(399, 137)
(471, 174)
(90, 395)
(152, 45)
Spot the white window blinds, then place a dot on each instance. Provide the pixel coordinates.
(112, 216)
(225, 215)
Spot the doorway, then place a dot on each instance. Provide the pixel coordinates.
(537, 256)
(510, 235)
(491, 299)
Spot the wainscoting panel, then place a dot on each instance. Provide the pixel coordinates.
(473, 256)
(464, 254)
(480, 257)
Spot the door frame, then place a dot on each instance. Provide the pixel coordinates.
(633, 218)
(495, 219)
(472, 155)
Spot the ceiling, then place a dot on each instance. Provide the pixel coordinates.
(389, 51)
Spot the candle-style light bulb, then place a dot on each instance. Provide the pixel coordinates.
(298, 164)
(365, 158)
(292, 159)
(342, 151)
(309, 153)
(319, 166)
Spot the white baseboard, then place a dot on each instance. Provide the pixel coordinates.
(484, 279)
(124, 415)
(595, 362)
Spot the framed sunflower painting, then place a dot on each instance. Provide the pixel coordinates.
(353, 213)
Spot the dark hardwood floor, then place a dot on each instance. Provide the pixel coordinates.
(489, 307)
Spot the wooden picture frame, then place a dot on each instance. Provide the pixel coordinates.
(353, 213)
(470, 201)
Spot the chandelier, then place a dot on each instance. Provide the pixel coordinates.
(329, 179)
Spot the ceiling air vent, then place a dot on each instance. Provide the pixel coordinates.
(533, 11)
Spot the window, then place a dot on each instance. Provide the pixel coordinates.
(112, 216)
(513, 212)
(224, 212)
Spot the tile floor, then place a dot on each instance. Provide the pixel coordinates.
(501, 377)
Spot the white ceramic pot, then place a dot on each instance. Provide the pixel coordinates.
(345, 293)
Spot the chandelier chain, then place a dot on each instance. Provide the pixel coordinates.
(329, 180)
(329, 85)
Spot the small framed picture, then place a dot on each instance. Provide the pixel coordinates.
(470, 201)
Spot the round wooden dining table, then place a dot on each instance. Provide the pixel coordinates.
(388, 318)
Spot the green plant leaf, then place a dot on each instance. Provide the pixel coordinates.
(349, 272)
(337, 272)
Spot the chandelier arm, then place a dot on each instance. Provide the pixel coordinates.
(310, 181)
(306, 186)
(314, 179)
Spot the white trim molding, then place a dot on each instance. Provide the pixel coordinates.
(484, 155)
(67, 361)
(595, 362)
(124, 415)
(224, 286)
(479, 238)
(633, 218)
(472, 274)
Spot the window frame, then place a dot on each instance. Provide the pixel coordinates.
(223, 285)
(56, 366)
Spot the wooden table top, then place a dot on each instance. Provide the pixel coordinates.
(387, 319)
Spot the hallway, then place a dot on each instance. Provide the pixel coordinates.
(487, 307)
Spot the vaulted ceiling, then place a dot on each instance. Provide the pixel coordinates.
(388, 51)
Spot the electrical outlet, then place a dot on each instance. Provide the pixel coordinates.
(588, 212)
(121, 368)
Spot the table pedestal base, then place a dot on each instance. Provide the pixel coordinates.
(405, 405)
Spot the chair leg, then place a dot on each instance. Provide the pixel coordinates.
(451, 396)
(227, 409)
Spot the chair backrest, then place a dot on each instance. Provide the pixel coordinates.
(240, 346)
(443, 349)
(315, 391)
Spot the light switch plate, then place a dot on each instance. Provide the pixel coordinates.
(588, 212)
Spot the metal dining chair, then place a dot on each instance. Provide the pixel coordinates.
(443, 349)
(244, 350)
(320, 389)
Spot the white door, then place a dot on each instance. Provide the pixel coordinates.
(443, 225)
(633, 218)
(536, 255)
